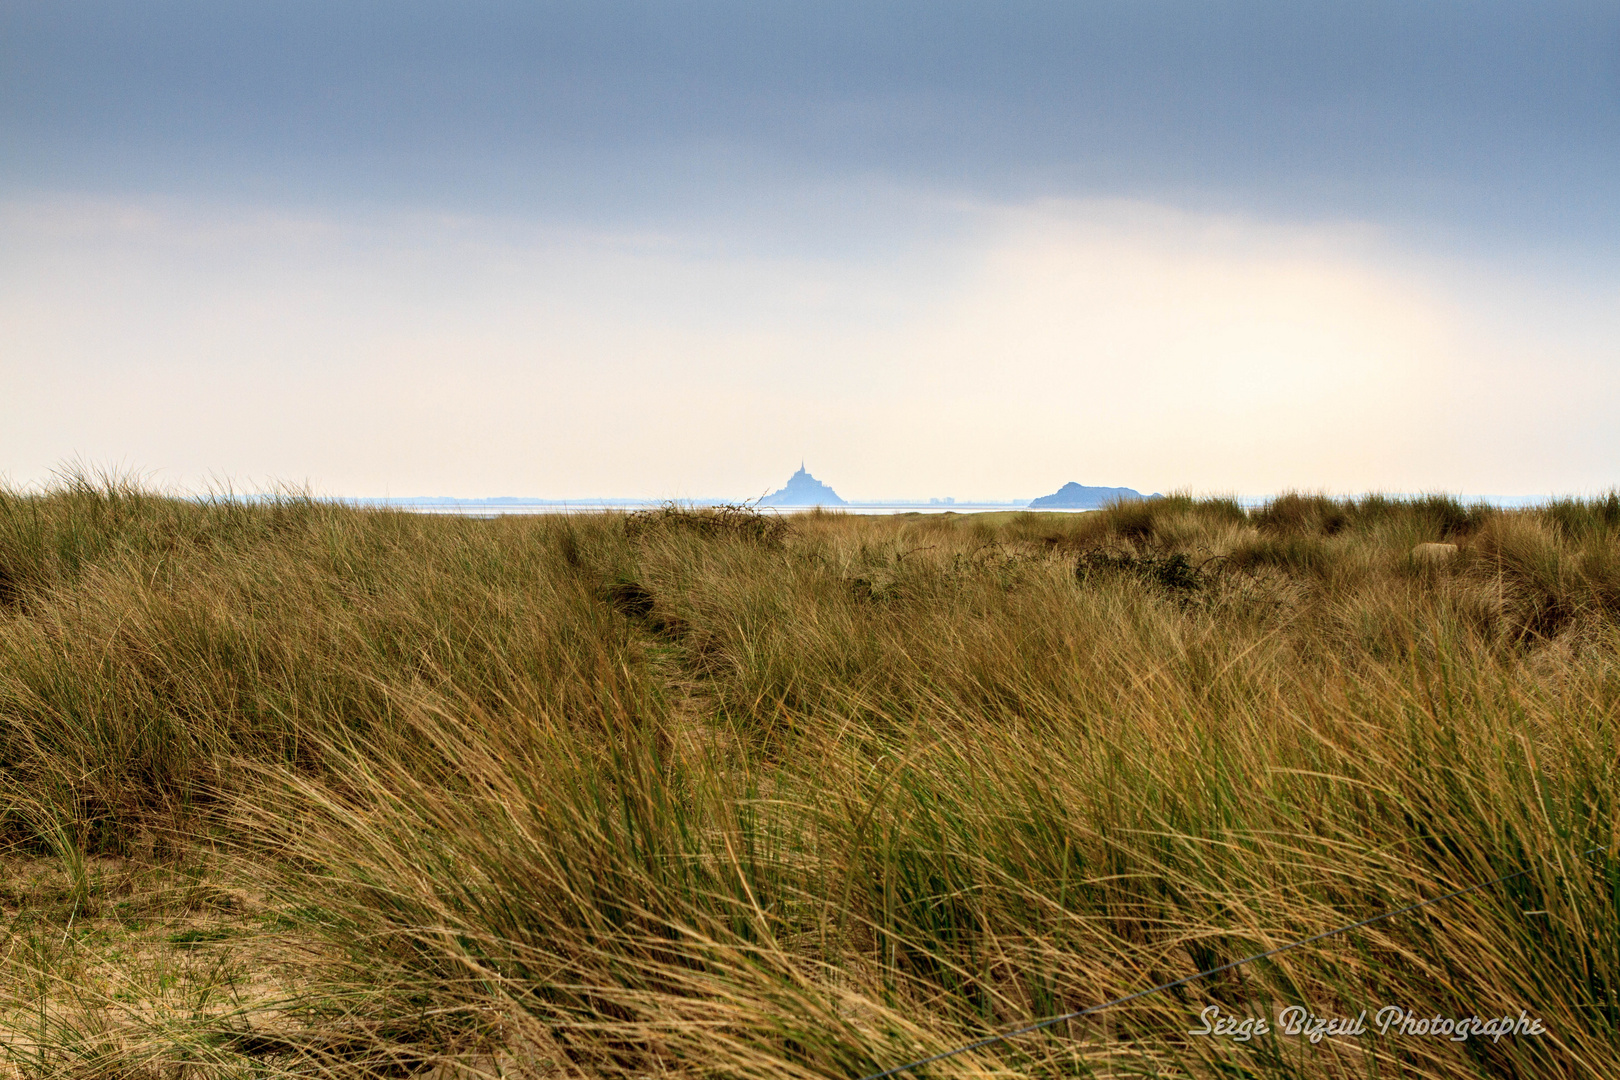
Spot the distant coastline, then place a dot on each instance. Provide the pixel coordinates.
(510, 505)
(505, 504)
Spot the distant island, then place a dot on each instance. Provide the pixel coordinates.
(1072, 496)
(802, 489)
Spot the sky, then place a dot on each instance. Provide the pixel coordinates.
(669, 249)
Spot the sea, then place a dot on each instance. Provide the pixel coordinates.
(489, 508)
(500, 507)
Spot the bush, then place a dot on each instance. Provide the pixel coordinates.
(742, 520)
(1173, 573)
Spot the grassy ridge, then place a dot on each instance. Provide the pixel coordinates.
(706, 793)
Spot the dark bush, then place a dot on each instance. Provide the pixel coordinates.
(1173, 572)
(742, 521)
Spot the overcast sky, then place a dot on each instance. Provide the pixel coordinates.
(668, 249)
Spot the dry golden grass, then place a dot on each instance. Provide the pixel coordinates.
(696, 794)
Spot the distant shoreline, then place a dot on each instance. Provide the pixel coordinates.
(509, 505)
(516, 506)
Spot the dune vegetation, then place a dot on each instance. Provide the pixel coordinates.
(289, 787)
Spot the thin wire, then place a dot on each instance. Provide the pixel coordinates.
(1048, 1022)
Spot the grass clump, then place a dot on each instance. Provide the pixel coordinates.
(714, 793)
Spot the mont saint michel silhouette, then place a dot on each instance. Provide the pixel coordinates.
(802, 489)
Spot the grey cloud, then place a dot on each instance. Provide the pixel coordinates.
(1487, 119)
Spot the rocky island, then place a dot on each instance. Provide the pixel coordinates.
(1072, 496)
(802, 489)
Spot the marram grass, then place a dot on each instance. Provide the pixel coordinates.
(701, 794)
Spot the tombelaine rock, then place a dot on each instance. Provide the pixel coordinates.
(1072, 496)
